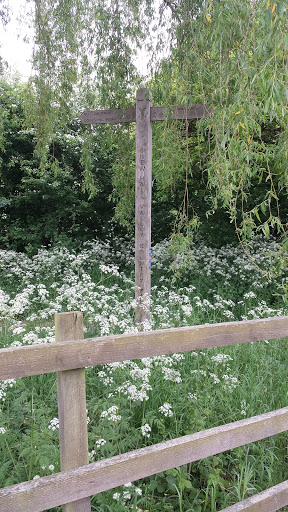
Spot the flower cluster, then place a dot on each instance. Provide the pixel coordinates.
(111, 414)
(109, 269)
(133, 393)
(166, 409)
(230, 383)
(51, 468)
(171, 374)
(54, 424)
(127, 493)
(4, 385)
(221, 358)
(244, 407)
(145, 430)
(105, 378)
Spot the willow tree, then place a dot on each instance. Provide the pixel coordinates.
(84, 49)
(235, 53)
(230, 55)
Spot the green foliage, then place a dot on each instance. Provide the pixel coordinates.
(229, 55)
(138, 403)
(41, 207)
(82, 45)
(233, 55)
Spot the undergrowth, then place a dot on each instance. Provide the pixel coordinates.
(133, 404)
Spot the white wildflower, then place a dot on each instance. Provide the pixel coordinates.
(221, 358)
(166, 409)
(18, 330)
(228, 313)
(111, 414)
(215, 378)
(145, 430)
(126, 496)
(92, 454)
(100, 442)
(109, 269)
(54, 424)
(171, 374)
(249, 295)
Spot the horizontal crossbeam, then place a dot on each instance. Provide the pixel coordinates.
(118, 115)
(67, 355)
(76, 484)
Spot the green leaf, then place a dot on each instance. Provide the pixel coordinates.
(223, 141)
(184, 483)
(257, 214)
(265, 229)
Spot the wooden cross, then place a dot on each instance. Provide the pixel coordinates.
(143, 115)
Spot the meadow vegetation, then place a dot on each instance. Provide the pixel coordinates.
(136, 403)
(222, 178)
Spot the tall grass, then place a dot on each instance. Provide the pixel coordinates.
(137, 403)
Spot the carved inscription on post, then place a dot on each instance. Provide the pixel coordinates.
(143, 190)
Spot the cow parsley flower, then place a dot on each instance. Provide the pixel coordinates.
(249, 295)
(100, 442)
(111, 414)
(171, 374)
(221, 358)
(54, 424)
(109, 269)
(126, 496)
(166, 409)
(145, 430)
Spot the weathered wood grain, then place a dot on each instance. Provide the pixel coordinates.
(113, 115)
(267, 501)
(73, 433)
(53, 490)
(128, 115)
(143, 195)
(38, 359)
(179, 112)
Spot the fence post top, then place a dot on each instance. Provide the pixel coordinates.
(143, 94)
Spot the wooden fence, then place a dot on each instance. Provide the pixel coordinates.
(69, 356)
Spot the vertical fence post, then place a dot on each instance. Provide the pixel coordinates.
(73, 434)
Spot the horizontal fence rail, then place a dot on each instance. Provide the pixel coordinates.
(54, 490)
(267, 501)
(68, 355)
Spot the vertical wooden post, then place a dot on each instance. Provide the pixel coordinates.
(73, 434)
(143, 194)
